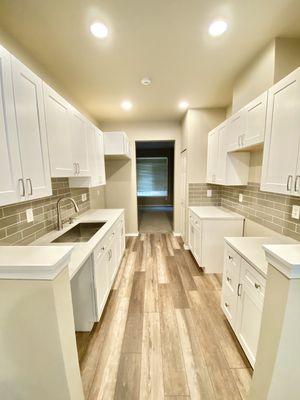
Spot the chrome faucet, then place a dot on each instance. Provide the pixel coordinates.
(59, 219)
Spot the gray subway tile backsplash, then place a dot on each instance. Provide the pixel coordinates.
(268, 209)
(14, 228)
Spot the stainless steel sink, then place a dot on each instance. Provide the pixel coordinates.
(81, 232)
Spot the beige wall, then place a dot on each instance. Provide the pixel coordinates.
(97, 197)
(255, 166)
(195, 127)
(257, 77)
(120, 190)
(287, 57)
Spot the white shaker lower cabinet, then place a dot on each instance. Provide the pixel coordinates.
(207, 228)
(242, 300)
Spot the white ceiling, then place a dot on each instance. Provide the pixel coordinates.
(165, 39)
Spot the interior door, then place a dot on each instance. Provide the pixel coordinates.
(183, 202)
(281, 146)
(58, 131)
(11, 178)
(28, 96)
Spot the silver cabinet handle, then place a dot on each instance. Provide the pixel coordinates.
(289, 183)
(230, 257)
(238, 289)
(78, 169)
(296, 187)
(21, 181)
(239, 140)
(257, 286)
(75, 168)
(228, 279)
(226, 304)
(28, 180)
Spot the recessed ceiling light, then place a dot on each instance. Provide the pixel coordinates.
(217, 28)
(99, 30)
(146, 81)
(126, 105)
(183, 105)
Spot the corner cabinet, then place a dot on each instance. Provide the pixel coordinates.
(242, 299)
(281, 159)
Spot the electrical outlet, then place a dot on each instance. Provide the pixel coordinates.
(240, 198)
(296, 212)
(29, 215)
(84, 197)
(209, 193)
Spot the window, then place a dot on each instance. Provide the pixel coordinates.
(152, 176)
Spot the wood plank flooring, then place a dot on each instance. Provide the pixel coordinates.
(163, 334)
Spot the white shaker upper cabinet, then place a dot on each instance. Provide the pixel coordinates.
(281, 147)
(236, 130)
(57, 112)
(256, 112)
(79, 131)
(212, 156)
(222, 155)
(28, 97)
(11, 178)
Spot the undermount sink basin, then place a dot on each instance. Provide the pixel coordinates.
(81, 232)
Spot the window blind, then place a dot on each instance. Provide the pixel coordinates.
(152, 176)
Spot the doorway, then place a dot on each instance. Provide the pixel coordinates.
(155, 185)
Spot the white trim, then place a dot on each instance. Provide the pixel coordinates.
(186, 247)
(290, 270)
(33, 262)
(176, 234)
(132, 234)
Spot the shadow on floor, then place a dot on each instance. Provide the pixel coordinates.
(155, 219)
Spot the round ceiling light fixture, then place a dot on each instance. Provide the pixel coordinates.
(218, 27)
(126, 105)
(146, 81)
(183, 105)
(99, 30)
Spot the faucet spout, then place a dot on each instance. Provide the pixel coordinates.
(59, 218)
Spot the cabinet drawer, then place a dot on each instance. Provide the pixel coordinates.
(231, 271)
(229, 305)
(254, 280)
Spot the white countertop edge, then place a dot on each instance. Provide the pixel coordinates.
(290, 270)
(244, 256)
(37, 271)
(231, 215)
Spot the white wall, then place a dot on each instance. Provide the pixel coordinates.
(120, 190)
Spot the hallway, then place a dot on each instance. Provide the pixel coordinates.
(163, 334)
(155, 219)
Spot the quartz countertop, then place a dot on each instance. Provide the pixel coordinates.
(214, 212)
(81, 251)
(252, 250)
(286, 258)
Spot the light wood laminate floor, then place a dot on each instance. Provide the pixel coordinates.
(163, 334)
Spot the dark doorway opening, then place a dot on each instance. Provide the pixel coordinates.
(155, 185)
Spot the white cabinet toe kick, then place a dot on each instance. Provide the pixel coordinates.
(91, 285)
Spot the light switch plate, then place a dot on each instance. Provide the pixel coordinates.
(240, 198)
(296, 212)
(84, 197)
(29, 215)
(209, 193)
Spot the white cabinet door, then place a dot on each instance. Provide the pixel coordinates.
(101, 280)
(256, 113)
(197, 242)
(79, 131)
(221, 156)
(11, 178)
(236, 130)
(96, 158)
(29, 106)
(191, 232)
(282, 135)
(249, 312)
(58, 131)
(212, 156)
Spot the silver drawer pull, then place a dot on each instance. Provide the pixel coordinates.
(228, 279)
(289, 183)
(226, 304)
(257, 286)
(230, 257)
(239, 289)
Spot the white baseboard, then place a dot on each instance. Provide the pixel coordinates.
(176, 234)
(186, 247)
(134, 234)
